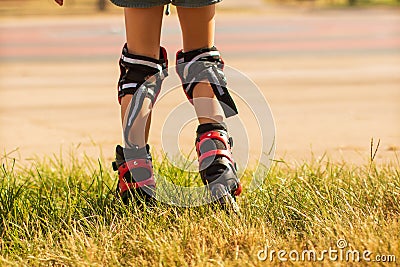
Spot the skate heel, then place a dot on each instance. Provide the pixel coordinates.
(135, 172)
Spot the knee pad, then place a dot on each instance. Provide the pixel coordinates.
(141, 77)
(205, 65)
(135, 71)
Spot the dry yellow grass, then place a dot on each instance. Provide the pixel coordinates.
(60, 214)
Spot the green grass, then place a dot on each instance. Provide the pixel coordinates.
(64, 214)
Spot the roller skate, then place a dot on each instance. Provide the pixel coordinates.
(216, 165)
(135, 171)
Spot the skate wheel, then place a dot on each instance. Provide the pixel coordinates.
(224, 199)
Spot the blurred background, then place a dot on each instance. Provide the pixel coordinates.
(330, 70)
(40, 7)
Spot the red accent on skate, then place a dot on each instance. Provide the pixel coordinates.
(133, 164)
(122, 170)
(212, 135)
(139, 163)
(238, 190)
(214, 153)
(123, 185)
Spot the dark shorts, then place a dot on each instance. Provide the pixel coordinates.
(151, 3)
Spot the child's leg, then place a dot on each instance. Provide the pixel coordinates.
(143, 30)
(142, 66)
(198, 26)
(213, 145)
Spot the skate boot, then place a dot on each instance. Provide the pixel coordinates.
(135, 170)
(216, 165)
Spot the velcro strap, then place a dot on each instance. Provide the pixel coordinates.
(213, 135)
(131, 60)
(139, 163)
(214, 153)
(154, 66)
(201, 56)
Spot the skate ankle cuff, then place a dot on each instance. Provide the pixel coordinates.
(206, 127)
(125, 154)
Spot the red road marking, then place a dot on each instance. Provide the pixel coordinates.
(256, 35)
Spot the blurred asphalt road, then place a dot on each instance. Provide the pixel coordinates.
(238, 36)
(332, 80)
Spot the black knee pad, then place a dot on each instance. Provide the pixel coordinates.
(135, 71)
(205, 65)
